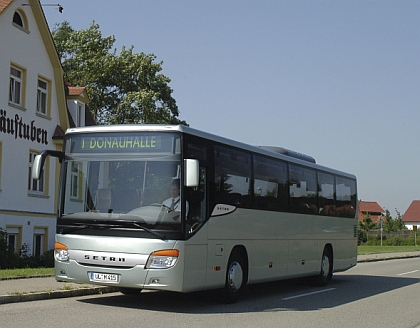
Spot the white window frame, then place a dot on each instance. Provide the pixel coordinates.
(16, 232)
(16, 86)
(75, 180)
(80, 114)
(42, 97)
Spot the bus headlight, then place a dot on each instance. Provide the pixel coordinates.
(61, 252)
(164, 259)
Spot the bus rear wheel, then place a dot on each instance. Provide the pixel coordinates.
(326, 267)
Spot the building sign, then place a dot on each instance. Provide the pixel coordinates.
(17, 127)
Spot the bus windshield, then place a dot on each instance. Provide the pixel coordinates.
(121, 181)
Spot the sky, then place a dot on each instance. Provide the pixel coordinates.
(337, 80)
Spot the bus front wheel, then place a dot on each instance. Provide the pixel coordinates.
(235, 278)
(129, 291)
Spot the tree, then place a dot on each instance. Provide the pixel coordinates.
(388, 224)
(367, 223)
(392, 224)
(398, 222)
(124, 88)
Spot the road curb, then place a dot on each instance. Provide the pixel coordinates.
(37, 296)
(378, 258)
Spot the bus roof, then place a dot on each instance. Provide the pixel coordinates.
(277, 152)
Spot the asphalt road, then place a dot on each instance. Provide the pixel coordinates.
(377, 294)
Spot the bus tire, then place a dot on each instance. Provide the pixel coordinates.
(129, 291)
(326, 267)
(236, 278)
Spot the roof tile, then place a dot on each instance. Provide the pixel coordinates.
(4, 4)
(413, 212)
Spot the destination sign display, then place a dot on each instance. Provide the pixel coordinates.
(119, 142)
(109, 143)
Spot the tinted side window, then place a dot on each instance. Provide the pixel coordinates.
(303, 190)
(270, 184)
(346, 197)
(232, 176)
(326, 192)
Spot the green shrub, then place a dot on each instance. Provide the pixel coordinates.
(375, 240)
(9, 259)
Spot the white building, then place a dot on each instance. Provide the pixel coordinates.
(33, 116)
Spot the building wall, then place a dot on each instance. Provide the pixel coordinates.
(23, 129)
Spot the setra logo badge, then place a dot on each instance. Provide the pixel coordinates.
(103, 258)
(223, 209)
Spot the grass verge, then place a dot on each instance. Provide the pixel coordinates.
(25, 273)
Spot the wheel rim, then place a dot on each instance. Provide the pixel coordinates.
(235, 276)
(325, 266)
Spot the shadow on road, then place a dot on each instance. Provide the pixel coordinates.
(286, 295)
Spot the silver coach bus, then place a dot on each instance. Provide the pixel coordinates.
(172, 208)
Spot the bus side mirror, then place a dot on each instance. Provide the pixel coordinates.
(37, 166)
(192, 172)
(39, 160)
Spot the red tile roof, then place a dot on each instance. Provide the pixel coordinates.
(373, 208)
(370, 207)
(76, 91)
(413, 212)
(4, 4)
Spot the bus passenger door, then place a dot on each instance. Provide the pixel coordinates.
(196, 244)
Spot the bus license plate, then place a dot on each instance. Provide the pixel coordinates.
(104, 277)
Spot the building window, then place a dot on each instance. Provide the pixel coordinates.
(79, 114)
(12, 242)
(14, 237)
(35, 186)
(75, 191)
(40, 241)
(17, 19)
(20, 21)
(15, 91)
(41, 104)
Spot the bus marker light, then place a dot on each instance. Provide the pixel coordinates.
(58, 246)
(216, 268)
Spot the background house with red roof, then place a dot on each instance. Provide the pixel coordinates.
(372, 208)
(411, 217)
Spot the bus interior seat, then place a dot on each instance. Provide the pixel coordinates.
(103, 199)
